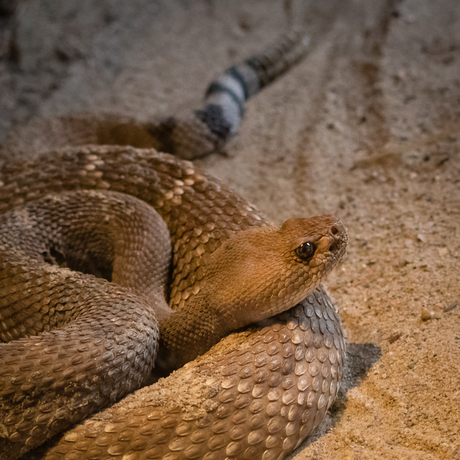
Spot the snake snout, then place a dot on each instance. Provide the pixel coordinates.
(338, 236)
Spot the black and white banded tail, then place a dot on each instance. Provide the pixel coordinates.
(225, 98)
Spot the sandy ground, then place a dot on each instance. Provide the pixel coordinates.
(367, 127)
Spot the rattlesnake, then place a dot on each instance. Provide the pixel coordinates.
(256, 394)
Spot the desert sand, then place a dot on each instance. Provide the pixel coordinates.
(366, 127)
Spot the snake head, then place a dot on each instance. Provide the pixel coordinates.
(263, 271)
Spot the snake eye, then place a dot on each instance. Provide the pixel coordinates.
(306, 251)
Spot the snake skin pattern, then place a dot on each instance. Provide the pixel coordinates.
(256, 394)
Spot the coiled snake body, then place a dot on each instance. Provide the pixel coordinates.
(77, 343)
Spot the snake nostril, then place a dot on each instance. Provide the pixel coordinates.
(334, 230)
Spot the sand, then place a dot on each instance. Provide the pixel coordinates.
(366, 127)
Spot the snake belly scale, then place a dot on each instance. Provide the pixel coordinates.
(76, 343)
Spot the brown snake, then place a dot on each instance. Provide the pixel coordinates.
(77, 343)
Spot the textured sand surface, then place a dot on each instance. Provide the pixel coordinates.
(367, 126)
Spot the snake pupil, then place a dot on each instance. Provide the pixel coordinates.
(306, 251)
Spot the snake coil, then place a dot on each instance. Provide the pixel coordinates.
(86, 233)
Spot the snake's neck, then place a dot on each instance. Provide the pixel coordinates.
(186, 334)
(255, 274)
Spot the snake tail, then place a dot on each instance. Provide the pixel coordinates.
(190, 135)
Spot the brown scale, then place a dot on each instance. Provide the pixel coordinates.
(139, 167)
(256, 394)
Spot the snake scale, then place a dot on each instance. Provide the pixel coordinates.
(115, 259)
